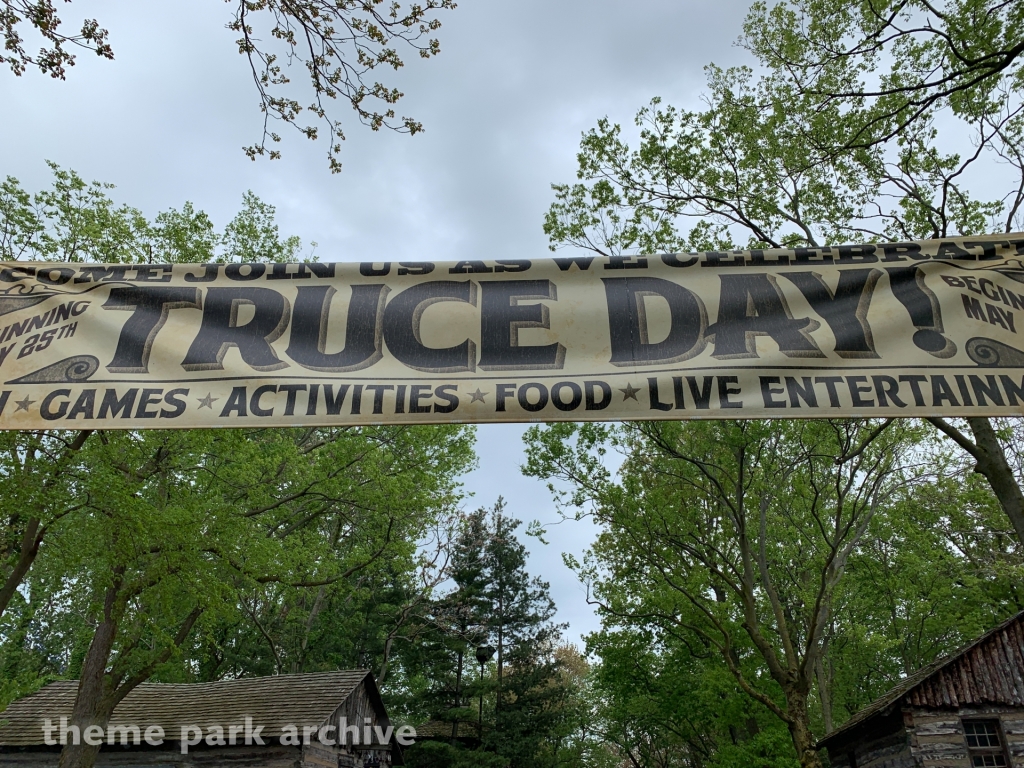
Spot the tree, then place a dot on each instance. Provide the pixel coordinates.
(140, 558)
(525, 638)
(737, 534)
(131, 542)
(466, 611)
(78, 221)
(43, 17)
(577, 739)
(962, 62)
(186, 527)
(936, 570)
(928, 564)
(493, 600)
(365, 502)
(898, 60)
(770, 163)
(893, 69)
(668, 702)
(340, 43)
(72, 221)
(31, 510)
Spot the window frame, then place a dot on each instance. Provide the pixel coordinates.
(1000, 734)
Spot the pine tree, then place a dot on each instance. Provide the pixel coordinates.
(467, 609)
(493, 601)
(525, 638)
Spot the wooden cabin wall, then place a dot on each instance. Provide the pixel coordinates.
(937, 736)
(313, 755)
(269, 756)
(890, 751)
(355, 709)
(1013, 728)
(317, 755)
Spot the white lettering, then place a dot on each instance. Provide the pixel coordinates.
(252, 734)
(187, 739)
(345, 730)
(65, 730)
(124, 730)
(323, 736)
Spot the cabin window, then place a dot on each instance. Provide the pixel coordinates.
(985, 743)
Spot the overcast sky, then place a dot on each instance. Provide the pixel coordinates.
(503, 105)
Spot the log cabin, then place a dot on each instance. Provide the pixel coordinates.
(965, 710)
(298, 719)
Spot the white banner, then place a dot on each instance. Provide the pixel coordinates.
(897, 329)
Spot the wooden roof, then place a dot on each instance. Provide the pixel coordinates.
(441, 730)
(273, 702)
(987, 671)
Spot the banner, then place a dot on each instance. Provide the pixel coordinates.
(899, 329)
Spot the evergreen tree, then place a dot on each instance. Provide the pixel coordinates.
(524, 637)
(465, 612)
(460, 622)
(493, 601)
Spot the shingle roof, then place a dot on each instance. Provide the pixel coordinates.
(988, 670)
(439, 729)
(273, 702)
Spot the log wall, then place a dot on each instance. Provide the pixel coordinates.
(269, 756)
(929, 738)
(1013, 728)
(938, 741)
(891, 751)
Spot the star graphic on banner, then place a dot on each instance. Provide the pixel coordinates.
(628, 392)
(208, 401)
(23, 404)
(478, 396)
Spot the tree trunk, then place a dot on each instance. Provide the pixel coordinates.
(992, 463)
(499, 531)
(310, 621)
(800, 730)
(386, 660)
(34, 531)
(93, 703)
(26, 556)
(99, 692)
(458, 696)
(501, 662)
(823, 676)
